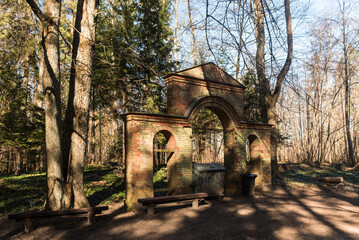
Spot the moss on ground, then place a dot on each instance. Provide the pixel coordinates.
(299, 175)
(103, 185)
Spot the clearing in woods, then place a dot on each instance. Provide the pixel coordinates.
(297, 207)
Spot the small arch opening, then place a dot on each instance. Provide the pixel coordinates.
(164, 145)
(253, 150)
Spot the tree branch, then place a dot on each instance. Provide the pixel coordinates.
(37, 11)
(288, 61)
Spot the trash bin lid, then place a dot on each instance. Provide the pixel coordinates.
(249, 175)
(206, 167)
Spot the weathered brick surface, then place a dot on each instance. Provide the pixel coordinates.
(189, 91)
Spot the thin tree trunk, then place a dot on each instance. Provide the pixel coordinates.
(175, 40)
(99, 159)
(347, 98)
(194, 45)
(239, 52)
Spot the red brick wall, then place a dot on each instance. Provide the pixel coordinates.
(140, 131)
(181, 92)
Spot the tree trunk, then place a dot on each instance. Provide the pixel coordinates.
(86, 13)
(194, 45)
(52, 104)
(347, 95)
(50, 73)
(175, 40)
(260, 58)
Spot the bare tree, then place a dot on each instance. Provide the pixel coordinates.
(346, 78)
(269, 97)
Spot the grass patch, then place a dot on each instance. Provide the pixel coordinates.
(22, 192)
(160, 181)
(103, 185)
(299, 175)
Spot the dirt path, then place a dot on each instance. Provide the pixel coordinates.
(319, 213)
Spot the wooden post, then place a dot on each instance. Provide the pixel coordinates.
(331, 179)
(28, 225)
(195, 203)
(91, 217)
(151, 210)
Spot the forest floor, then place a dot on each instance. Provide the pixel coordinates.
(296, 207)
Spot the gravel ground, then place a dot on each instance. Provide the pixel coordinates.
(319, 212)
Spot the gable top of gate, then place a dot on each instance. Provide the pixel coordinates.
(207, 72)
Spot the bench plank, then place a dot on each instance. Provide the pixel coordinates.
(23, 215)
(27, 217)
(151, 202)
(174, 198)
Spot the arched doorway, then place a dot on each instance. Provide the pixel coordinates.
(164, 148)
(227, 117)
(207, 138)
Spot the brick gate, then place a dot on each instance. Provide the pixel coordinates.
(189, 91)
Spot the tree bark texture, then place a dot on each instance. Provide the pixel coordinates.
(86, 13)
(52, 103)
(175, 40)
(194, 45)
(347, 97)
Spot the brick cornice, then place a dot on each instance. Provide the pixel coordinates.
(254, 125)
(204, 83)
(162, 118)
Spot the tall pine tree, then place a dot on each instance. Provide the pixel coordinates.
(135, 42)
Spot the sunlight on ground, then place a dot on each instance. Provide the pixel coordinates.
(246, 211)
(286, 233)
(155, 225)
(318, 229)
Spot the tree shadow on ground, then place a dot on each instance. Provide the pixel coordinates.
(304, 173)
(328, 190)
(282, 213)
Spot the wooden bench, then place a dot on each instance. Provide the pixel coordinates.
(27, 217)
(152, 202)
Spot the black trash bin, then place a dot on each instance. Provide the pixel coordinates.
(248, 184)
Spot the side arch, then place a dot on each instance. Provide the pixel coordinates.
(255, 161)
(164, 155)
(257, 150)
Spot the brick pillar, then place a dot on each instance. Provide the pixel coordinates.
(139, 163)
(180, 170)
(266, 159)
(230, 186)
(240, 156)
